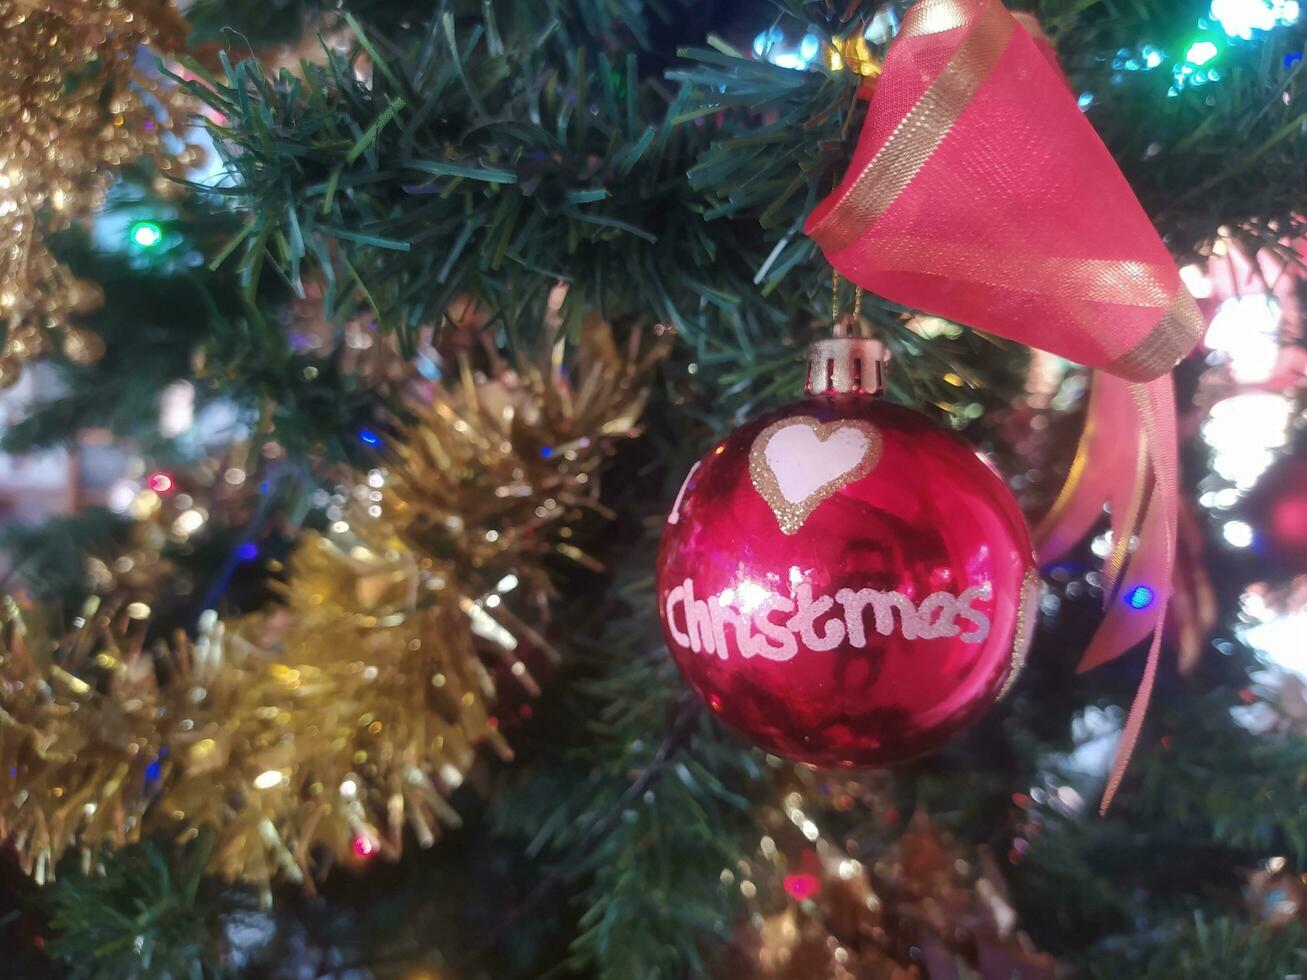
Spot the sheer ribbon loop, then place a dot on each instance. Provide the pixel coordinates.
(979, 192)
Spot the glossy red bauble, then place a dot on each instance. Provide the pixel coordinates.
(846, 583)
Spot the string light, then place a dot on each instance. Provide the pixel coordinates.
(1237, 533)
(1274, 629)
(770, 46)
(1201, 52)
(269, 778)
(1244, 432)
(1247, 330)
(146, 234)
(801, 886)
(1140, 597)
(1240, 18)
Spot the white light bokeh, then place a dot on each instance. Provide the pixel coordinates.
(1244, 432)
(770, 45)
(1247, 330)
(1239, 18)
(1237, 533)
(1275, 634)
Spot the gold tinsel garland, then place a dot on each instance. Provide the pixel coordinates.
(74, 105)
(320, 730)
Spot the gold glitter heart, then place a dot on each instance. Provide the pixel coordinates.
(790, 513)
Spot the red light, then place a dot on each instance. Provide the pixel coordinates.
(364, 846)
(160, 482)
(802, 886)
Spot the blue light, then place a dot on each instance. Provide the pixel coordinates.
(766, 40)
(547, 451)
(369, 437)
(1085, 101)
(247, 551)
(1140, 597)
(152, 772)
(770, 45)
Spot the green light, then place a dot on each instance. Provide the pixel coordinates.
(1201, 52)
(146, 234)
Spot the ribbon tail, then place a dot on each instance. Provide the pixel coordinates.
(1134, 722)
(1100, 474)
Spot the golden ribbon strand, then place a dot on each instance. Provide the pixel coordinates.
(921, 131)
(1181, 327)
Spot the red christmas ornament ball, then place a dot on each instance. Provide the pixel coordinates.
(845, 583)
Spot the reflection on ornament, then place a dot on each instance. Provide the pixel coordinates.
(364, 846)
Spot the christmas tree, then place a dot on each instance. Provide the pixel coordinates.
(360, 358)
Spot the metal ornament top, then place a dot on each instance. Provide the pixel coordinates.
(845, 364)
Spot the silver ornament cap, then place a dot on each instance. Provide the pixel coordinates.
(844, 364)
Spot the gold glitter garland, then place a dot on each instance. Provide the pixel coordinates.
(74, 105)
(320, 730)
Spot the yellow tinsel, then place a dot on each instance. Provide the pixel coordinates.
(323, 728)
(74, 105)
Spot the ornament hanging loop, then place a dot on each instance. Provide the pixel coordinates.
(849, 361)
(849, 322)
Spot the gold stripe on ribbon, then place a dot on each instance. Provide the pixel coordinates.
(1032, 26)
(1117, 281)
(1141, 498)
(1172, 338)
(1071, 486)
(923, 129)
(933, 17)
